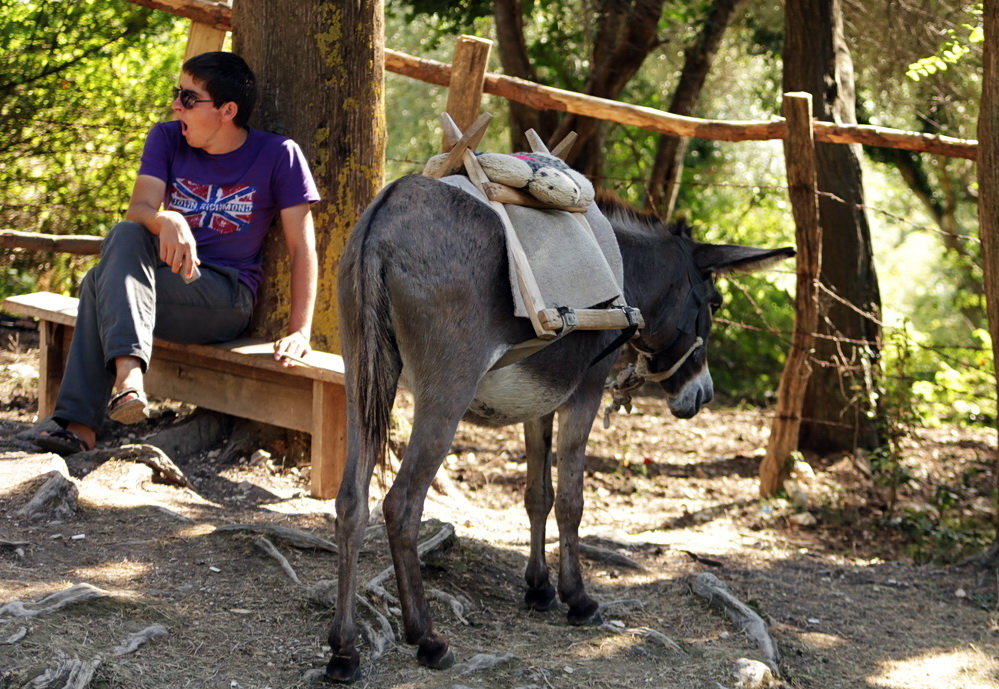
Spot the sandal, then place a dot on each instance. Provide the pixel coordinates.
(129, 406)
(61, 441)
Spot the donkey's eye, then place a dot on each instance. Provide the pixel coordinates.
(714, 305)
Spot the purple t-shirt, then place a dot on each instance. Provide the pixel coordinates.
(229, 200)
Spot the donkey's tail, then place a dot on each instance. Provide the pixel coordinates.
(372, 358)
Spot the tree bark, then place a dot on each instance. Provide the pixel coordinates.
(664, 180)
(319, 71)
(988, 195)
(626, 33)
(839, 410)
(509, 18)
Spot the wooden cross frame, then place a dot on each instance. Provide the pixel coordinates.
(547, 322)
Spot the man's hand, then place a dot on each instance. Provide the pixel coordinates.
(177, 246)
(291, 348)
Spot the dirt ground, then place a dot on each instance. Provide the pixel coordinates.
(859, 598)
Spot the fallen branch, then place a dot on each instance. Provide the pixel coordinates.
(271, 550)
(714, 590)
(133, 641)
(78, 593)
(293, 537)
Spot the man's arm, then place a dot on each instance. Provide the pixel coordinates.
(300, 238)
(177, 246)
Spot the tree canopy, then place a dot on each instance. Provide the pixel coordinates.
(83, 81)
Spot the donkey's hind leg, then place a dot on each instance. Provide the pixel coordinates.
(538, 500)
(351, 520)
(435, 419)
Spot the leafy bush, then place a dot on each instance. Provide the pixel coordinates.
(80, 84)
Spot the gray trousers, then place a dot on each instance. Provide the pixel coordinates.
(129, 297)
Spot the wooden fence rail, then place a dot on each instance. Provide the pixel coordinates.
(798, 140)
(547, 98)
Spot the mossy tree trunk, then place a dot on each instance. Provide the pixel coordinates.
(319, 67)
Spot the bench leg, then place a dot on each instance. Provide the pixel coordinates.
(53, 342)
(329, 438)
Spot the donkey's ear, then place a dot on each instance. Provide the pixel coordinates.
(730, 258)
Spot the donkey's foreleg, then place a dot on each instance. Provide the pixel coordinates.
(574, 425)
(351, 520)
(538, 499)
(403, 506)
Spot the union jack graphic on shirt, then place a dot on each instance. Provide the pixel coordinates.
(219, 208)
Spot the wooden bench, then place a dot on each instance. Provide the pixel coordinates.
(239, 378)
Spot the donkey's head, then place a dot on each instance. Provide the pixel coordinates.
(671, 278)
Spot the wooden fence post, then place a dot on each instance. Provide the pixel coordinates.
(799, 155)
(468, 74)
(203, 38)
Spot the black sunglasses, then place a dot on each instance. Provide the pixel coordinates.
(189, 98)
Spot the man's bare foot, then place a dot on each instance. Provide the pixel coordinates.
(128, 374)
(85, 433)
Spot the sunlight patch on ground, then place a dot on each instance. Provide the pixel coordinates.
(113, 573)
(717, 537)
(968, 668)
(297, 506)
(820, 640)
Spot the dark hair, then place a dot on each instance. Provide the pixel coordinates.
(226, 77)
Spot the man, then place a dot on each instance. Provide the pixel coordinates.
(185, 264)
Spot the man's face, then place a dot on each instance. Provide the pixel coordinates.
(203, 123)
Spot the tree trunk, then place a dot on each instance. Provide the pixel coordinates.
(664, 180)
(626, 33)
(320, 76)
(509, 18)
(988, 185)
(839, 410)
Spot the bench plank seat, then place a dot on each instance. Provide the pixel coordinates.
(239, 378)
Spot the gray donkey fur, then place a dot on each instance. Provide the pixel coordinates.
(425, 300)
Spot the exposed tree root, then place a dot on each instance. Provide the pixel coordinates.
(271, 550)
(132, 642)
(643, 633)
(293, 537)
(67, 673)
(77, 593)
(164, 469)
(608, 556)
(56, 499)
(714, 590)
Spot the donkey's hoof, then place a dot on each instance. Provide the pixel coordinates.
(435, 653)
(344, 668)
(586, 614)
(540, 599)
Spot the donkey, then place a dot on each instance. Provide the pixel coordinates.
(424, 297)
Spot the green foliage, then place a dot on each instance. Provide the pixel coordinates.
(956, 385)
(952, 51)
(80, 84)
